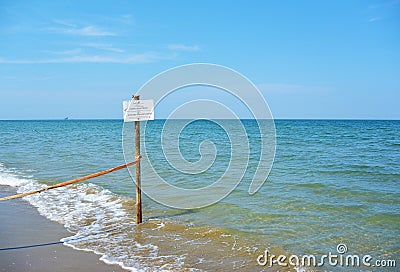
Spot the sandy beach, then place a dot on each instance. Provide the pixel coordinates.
(30, 242)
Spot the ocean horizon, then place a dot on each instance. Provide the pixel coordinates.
(163, 119)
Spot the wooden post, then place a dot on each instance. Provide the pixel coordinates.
(138, 178)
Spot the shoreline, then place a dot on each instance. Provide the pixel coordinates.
(31, 242)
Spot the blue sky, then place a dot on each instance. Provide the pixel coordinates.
(310, 59)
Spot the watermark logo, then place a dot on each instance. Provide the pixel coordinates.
(341, 248)
(338, 259)
(174, 83)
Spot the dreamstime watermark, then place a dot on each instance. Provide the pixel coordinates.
(174, 83)
(338, 259)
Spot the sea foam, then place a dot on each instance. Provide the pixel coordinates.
(96, 218)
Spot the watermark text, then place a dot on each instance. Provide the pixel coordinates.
(337, 259)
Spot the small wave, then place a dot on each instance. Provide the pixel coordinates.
(8, 179)
(97, 218)
(311, 185)
(103, 222)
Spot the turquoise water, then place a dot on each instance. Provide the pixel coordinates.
(332, 182)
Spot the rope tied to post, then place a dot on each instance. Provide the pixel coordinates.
(72, 181)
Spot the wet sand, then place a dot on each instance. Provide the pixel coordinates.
(30, 242)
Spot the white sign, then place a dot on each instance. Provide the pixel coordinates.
(138, 110)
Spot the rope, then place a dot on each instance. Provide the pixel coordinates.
(72, 181)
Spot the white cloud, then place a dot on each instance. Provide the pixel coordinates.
(82, 31)
(282, 88)
(65, 52)
(65, 23)
(128, 59)
(105, 47)
(374, 19)
(183, 47)
(384, 4)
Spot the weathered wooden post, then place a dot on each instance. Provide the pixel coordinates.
(138, 177)
(135, 111)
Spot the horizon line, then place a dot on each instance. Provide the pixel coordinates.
(163, 119)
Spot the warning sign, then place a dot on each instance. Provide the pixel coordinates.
(138, 110)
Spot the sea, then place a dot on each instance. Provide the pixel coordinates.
(333, 192)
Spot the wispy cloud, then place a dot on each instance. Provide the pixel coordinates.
(183, 47)
(283, 88)
(384, 4)
(104, 46)
(65, 52)
(73, 29)
(128, 59)
(125, 19)
(374, 19)
(65, 23)
(382, 7)
(279, 87)
(38, 77)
